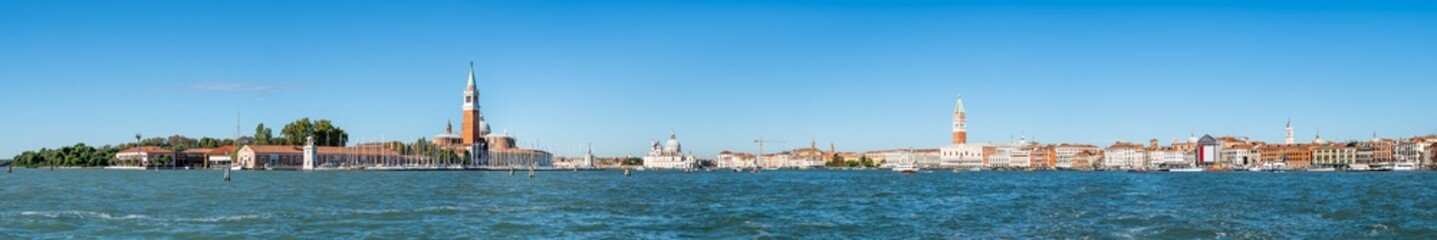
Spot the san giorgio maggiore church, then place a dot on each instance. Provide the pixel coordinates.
(669, 156)
(485, 149)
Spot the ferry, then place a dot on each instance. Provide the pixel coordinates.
(1358, 168)
(1404, 166)
(1188, 169)
(906, 167)
(1274, 167)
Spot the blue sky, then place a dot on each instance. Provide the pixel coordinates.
(861, 74)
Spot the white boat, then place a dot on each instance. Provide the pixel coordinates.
(975, 169)
(1274, 167)
(1190, 169)
(1325, 169)
(1358, 168)
(1404, 166)
(906, 166)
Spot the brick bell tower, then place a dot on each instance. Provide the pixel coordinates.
(473, 129)
(960, 123)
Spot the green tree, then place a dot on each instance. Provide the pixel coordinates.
(263, 135)
(326, 134)
(866, 162)
(296, 132)
(633, 161)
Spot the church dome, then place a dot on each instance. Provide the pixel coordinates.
(673, 144)
(483, 127)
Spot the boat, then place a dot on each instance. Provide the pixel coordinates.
(1187, 169)
(1274, 167)
(906, 167)
(1358, 168)
(1323, 169)
(1404, 166)
(975, 169)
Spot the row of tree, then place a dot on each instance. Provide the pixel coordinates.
(863, 161)
(296, 133)
(81, 155)
(78, 155)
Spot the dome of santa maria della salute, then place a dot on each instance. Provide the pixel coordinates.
(673, 144)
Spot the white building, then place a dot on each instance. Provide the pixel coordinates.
(1124, 156)
(959, 156)
(1158, 158)
(894, 158)
(669, 156)
(734, 160)
(1241, 156)
(1066, 152)
(1015, 155)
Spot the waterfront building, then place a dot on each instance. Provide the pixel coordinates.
(1208, 151)
(894, 158)
(669, 156)
(193, 158)
(1335, 154)
(1011, 155)
(958, 156)
(220, 157)
(1167, 157)
(1240, 154)
(1415, 150)
(1294, 155)
(142, 156)
(1067, 152)
(1086, 160)
(1122, 155)
(1431, 155)
(1382, 149)
(1042, 156)
(727, 159)
(270, 157)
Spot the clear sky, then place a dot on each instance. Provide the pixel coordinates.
(863, 75)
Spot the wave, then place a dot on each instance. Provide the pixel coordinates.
(108, 216)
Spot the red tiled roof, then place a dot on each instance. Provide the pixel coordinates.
(222, 151)
(275, 149)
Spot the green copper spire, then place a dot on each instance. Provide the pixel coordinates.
(471, 73)
(959, 108)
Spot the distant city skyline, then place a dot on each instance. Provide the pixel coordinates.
(863, 75)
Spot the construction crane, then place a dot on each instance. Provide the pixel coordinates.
(758, 159)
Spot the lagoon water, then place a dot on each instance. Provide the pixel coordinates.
(37, 203)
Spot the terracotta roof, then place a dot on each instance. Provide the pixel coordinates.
(222, 151)
(275, 149)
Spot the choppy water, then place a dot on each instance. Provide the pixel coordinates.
(774, 204)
